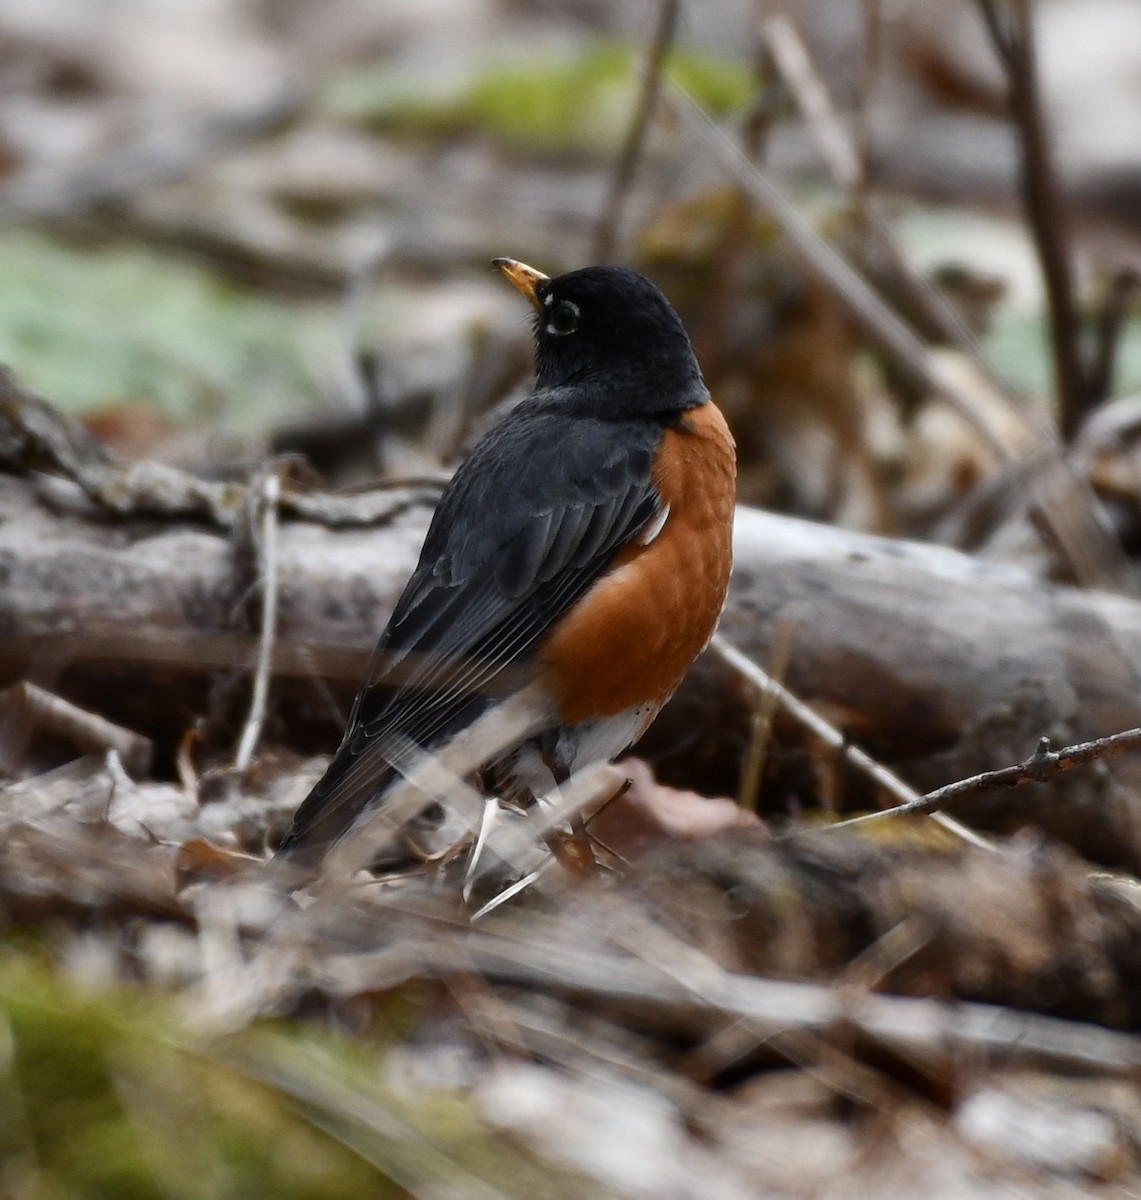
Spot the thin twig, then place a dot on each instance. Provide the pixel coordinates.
(845, 163)
(426, 776)
(29, 708)
(869, 74)
(579, 799)
(1015, 46)
(1001, 38)
(752, 773)
(606, 231)
(515, 889)
(267, 553)
(884, 778)
(1042, 765)
(790, 56)
(723, 290)
(356, 389)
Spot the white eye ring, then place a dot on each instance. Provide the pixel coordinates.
(563, 306)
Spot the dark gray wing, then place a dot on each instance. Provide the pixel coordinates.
(527, 524)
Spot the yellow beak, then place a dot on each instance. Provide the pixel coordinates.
(525, 278)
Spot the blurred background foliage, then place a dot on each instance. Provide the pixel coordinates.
(108, 1091)
(167, 249)
(550, 107)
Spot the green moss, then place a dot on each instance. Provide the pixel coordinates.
(1017, 342)
(580, 103)
(1018, 346)
(719, 85)
(104, 1099)
(107, 1096)
(95, 327)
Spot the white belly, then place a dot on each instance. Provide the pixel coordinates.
(578, 746)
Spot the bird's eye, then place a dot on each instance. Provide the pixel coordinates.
(562, 318)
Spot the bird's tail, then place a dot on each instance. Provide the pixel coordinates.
(370, 792)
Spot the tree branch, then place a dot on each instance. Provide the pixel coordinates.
(1042, 765)
(1040, 195)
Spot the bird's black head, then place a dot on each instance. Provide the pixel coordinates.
(610, 331)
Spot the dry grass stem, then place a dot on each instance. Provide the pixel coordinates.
(835, 740)
(753, 770)
(267, 562)
(607, 230)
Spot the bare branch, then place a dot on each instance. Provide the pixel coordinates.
(34, 436)
(923, 1028)
(1042, 765)
(1044, 209)
(606, 231)
(790, 56)
(753, 769)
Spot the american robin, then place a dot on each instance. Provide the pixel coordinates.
(582, 551)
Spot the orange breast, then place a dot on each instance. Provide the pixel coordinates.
(630, 640)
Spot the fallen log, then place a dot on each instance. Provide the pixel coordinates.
(938, 664)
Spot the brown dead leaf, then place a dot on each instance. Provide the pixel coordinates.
(199, 860)
(649, 813)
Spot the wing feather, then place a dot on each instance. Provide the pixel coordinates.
(528, 523)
